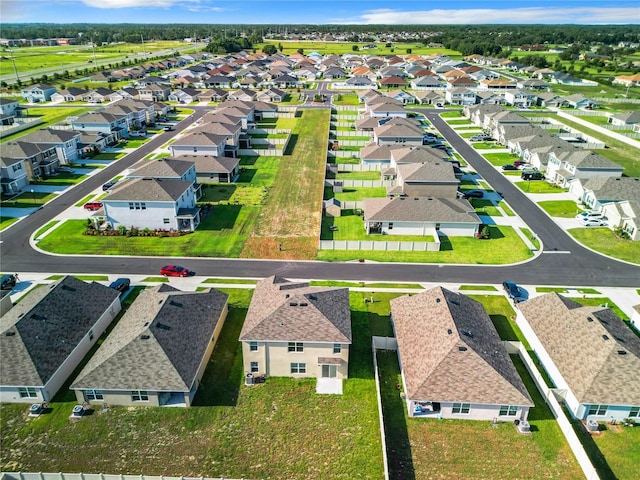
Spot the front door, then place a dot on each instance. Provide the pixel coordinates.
(329, 371)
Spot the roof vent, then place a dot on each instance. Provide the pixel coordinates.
(603, 321)
(462, 349)
(622, 352)
(68, 288)
(467, 333)
(286, 296)
(449, 331)
(312, 297)
(437, 299)
(589, 319)
(175, 304)
(146, 324)
(293, 304)
(10, 334)
(606, 337)
(304, 304)
(162, 326)
(145, 337)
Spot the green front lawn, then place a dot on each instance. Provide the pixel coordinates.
(222, 234)
(504, 247)
(539, 186)
(604, 241)
(621, 450)
(346, 99)
(61, 179)
(29, 200)
(485, 207)
(500, 159)
(49, 116)
(351, 227)
(6, 221)
(560, 208)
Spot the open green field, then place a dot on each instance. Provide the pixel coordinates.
(70, 57)
(291, 211)
(340, 48)
(292, 432)
(49, 116)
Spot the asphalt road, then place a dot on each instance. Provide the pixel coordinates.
(563, 261)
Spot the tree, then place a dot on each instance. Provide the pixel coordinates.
(269, 49)
(301, 51)
(409, 50)
(355, 48)
(280, 47)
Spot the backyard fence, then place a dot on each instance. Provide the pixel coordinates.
(616, 100)
(359, 167)
(376, 344)
(379, 246)
(344, 108)
(285, 114)
(549, 395)
(334, 125)
(95, 476)
(351, 133)
(342, 154)
(19, 125)
(350, 143)
(268, 131)
(360, 183)
(271, 152)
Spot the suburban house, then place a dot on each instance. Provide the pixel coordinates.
(38, 93)
(167, 169)
(184, 95)
(154, 92)
(39, 159)
(13, 175)
(597, 192)
(625, 119)
(452, 361)
(592, 357)
(114, 126)
(394, 132)
(520, 98)
(624, 215)
(152, 203)
(296, 330)
(580, 164)
(199, 143)
(71, 94)
(420, 216)
(460, 96)
(419, 175)
(66, 142)
(398, 154)
(157, 353)
(214, 169)
(45, 336)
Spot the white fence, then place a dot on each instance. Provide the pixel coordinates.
(334, 125)
(285, 114)
(339, 117)
(375, 341)
(351, 133)
(95, 476)
(549, 395)
(21, 124)
(350, 143)
(342, 154)
(344, 108)
(358, 167)
(268, 131)
(616, 100)
(360, 183)
(379, 246)
(271, 152)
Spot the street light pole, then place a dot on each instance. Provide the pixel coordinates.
(33, 195)
(15, 70)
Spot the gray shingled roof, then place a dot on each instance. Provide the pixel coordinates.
(451, 352)
(50, 135)
(420, 154)
(20, 149)
(428, 172)
(429, 209)
(149, 190)
(198, 139)
(211, 164)
(47, 325)
(614, 188)
(161, 168)
(587, 159)
(281, 310)
(394, 130)
(158, 344)
(574, 338)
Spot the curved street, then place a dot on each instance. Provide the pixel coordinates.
(562, 261)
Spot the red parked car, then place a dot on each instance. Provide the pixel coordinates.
(174, 271)
(93, 206)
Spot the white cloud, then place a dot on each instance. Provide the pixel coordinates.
(577, 15)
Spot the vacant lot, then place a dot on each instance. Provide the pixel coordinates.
(292, 209)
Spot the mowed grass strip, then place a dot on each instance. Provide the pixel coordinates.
(292, 209)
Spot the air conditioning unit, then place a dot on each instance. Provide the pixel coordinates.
(248, 379)
(524, 427)
(35, 410)
(77, 412)
(592, 426)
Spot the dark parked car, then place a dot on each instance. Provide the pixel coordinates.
(7, 282)
(121, 284)
(174, 271)
(529, 175)
(514, 292)
(474, 194)
(509, 167)
(168, 128)
(108, 185)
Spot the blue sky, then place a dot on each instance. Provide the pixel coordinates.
(321, 12)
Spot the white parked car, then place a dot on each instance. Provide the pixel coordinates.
(592, 222)
(590, 214)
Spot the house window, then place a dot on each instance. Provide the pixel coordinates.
(130, 205)
(634, 412)
(508, 411)
(337, 348)
(93, 395)
(139, 396)
(90, 334)
(296, 347)
(165, 221)
(597, 410)
(253, 346)
(390, 225)
(143, 206)
(17, 166)
(254, 367)
(298, 368)
(137, 204)
(27, 392)
(461, 408)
